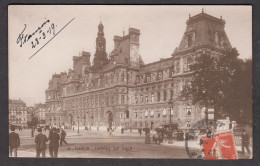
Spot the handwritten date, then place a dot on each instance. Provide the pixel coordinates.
(36, 36)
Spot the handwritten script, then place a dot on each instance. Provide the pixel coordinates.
(47, 30)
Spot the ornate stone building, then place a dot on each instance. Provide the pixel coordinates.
(17, 113)
(122, 90)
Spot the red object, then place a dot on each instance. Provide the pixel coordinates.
(219, 146)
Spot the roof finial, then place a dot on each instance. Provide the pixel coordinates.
(123, 32)
(221, 17)
(189, 15)
(202, 10)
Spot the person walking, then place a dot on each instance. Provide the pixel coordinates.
(62, 137)
(40, 141)
(245, 142)
(122, 130)
(32, 132)
(54, 143)
(140, 131)
(14, 142)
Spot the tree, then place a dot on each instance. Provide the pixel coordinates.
(34, 122)
(218, 82)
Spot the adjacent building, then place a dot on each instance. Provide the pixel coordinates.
(39, 113)
(120, 89)
(17, 113)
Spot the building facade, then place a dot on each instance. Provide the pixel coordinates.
(119, 89)
(17, 113)
(40, 113)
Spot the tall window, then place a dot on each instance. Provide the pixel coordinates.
(158, 96)
(164, 96)
(151, 113)
(153, 77)
(188, 110)
(188, 124)
(164, 113)
(123, 99)
(148, 79)
(127, 113)
(146, 113)
(136, 100)
(141, 115)
(152, 97)
(142, 99)
(137, 80)
(122, 77)
(135, 115)
(171, 94)
(160, 76)
(146, 99)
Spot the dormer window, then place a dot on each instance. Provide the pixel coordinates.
(189, 40)
(219, 38)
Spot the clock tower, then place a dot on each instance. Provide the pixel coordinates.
(100, 57)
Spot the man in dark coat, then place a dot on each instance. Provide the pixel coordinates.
(40, 141)
(245, 142)
(62, 137)
(54, 143)
(14, 142)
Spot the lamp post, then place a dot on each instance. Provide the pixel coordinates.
(59, 117)
(78, 122)
(84, 120)
(170, 136)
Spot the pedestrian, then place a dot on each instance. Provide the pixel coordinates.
(32, 132)
(14, 142)
(62, 137)
(122, 130)
(140, 131)
(54, 143)
(40, 141)
(245, 142)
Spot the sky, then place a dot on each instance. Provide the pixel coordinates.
(162, 28)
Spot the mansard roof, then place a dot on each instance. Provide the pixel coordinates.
(204, 27)
(157, 66)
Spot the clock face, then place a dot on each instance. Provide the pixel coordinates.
(135, 38)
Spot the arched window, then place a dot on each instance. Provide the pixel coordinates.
(164, 113)
(152, 97)
(188, 110)
(146, 113)
(127, 113)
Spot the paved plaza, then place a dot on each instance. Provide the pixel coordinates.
(100, 144)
